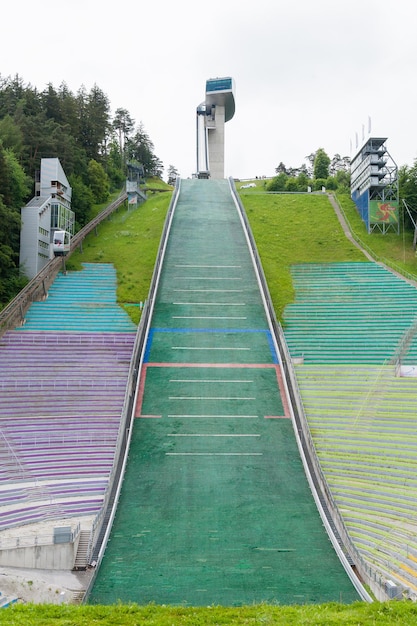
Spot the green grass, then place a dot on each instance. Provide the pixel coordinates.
(294, 228)
(260, 185)
(129, 239)
(97, 208)
(300, 228)
(358, 614)
(393, 249)
(288, 229)
(157, 184)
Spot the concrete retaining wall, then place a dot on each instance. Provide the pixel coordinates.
(59, 556)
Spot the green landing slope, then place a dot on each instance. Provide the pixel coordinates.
(215, 508)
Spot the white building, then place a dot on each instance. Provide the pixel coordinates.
(48, 211)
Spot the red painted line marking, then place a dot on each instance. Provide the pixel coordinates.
(282, 391)
(141, 389)
(276, 417)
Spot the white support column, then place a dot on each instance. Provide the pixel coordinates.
(216, 145)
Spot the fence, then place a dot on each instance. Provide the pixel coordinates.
(28, 541)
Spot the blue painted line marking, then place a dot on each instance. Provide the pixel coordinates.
(272, 348)
(210, 330)
(267, 333)
(148, 346)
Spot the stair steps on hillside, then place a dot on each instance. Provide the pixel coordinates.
(349, 313)
(61, 400)
(81, 559)
(350, 322)
(82, 301)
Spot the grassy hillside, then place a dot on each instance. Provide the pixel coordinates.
(293, 228)
(393, 249)
(296, 228)
(130, 240)
(288, 228)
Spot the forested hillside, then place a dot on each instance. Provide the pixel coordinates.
(94, 146)
(92, 143)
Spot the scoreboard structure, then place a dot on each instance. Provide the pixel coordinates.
(374, 186)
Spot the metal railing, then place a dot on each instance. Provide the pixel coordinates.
(29, 541)
(318, 483)
(102, 524)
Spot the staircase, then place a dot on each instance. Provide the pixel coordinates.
(81, 559)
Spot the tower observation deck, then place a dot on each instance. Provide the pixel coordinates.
(217, 108)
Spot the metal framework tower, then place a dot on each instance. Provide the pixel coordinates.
(374, 186)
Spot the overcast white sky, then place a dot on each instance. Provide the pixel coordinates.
(308, 74)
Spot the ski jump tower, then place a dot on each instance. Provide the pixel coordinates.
(218, 108)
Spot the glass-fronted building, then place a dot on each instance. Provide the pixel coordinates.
(48, 211)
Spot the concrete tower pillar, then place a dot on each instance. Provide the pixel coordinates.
(216, 144)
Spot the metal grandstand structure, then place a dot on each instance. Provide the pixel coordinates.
(374, 186)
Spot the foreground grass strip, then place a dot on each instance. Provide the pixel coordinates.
(361, 614)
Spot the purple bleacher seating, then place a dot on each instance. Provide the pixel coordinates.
(61, 400)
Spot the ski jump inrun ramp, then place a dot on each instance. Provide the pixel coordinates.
(215, 506)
